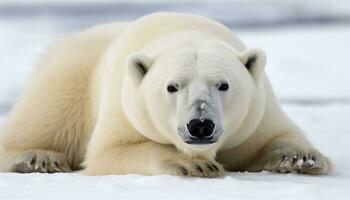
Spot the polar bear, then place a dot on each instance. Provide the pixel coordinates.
(169, 93)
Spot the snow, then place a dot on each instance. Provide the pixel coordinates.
(238, 185)
(320, 53)
(308, 67)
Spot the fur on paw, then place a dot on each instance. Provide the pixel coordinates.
(41, 161)
(195, 167)
(297, 161)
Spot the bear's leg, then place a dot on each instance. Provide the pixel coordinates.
(149, 158)
(287, 154)
(42, 161)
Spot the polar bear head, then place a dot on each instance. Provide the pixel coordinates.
(193, 98)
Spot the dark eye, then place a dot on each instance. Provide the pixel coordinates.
(172, 88)
(223, 87)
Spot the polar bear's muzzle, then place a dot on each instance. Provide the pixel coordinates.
(199, 116)
(201, 129)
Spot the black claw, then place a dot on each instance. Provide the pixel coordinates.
(44, 164)
(215, 167)
(199, 169)
(56, 164)
(210, 167)
(32, 161)
(294, 159)
(283, 157)
(304, 158)
(183, 170)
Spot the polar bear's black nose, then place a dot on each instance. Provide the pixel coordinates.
(201, 129)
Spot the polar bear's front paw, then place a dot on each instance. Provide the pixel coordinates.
(285, 160)
(196, 167)
(41, 161)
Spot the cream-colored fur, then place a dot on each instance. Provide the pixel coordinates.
(84, 107)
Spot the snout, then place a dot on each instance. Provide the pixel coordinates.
(201, 129)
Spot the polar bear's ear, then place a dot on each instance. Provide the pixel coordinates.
(138, 65)
(254, 60)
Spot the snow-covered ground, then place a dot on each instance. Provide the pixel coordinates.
(309, 69)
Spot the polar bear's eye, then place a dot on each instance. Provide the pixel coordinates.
(172, 88)
(223, 87)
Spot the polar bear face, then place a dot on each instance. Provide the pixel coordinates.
(191, 97)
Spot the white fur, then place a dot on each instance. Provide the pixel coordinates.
(88, 102)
